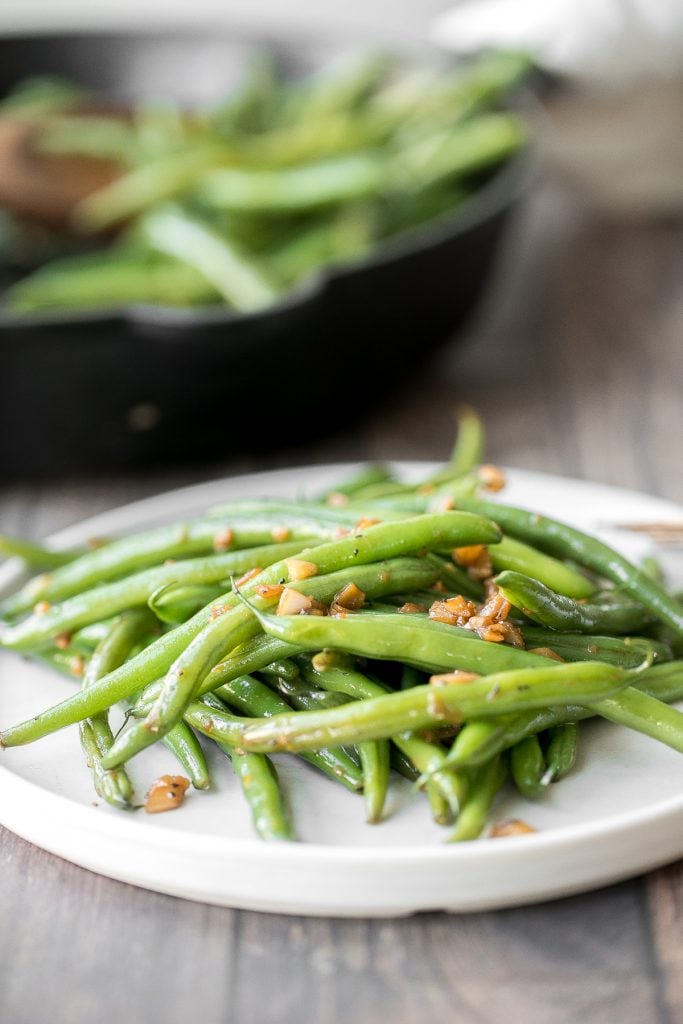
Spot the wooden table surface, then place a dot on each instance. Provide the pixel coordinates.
(576, 363)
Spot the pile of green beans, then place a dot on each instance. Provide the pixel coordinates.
(380, 629)
(237, 203)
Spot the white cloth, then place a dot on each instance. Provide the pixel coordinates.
(616, 131)
(615, 42)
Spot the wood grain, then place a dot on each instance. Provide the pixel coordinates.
(665, 898)
(577, 366)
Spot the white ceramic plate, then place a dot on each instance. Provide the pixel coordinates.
(619, 813)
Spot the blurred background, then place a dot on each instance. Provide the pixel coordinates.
(441, 241)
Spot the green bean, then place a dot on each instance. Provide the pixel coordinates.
(173, 604)
(330, 182)
(609, 612)
(375, 758)
(107, 281)
(226, 631)
(256, 655)
(96, 737)
(514, 555)
(302, 697)
(157, 658)
(374, 754)
(257, 776)
(183, 540)
(249, 105)
(457, 580)
(414, 639)
(410, 677)
(38, 95)
(426, 97)
(567, 542)
(113, 785)
(185, 675)
(386, 152)
(144, 186)
(479, 741)
(185, 747)
(403, 765)
(432, 706)
(484, 788)
(281, 669)
(107, 600)
(344, 236)
(652, 567)
(261, 789)
(561, 752)
(251, 697)
(228, 729)
(237, 278)
(528, 767)
(428, 495)
(219, 725)
(33, 555)
(463, 149)
(445, 789)
(362, 478)
(646, 714)
(89, 135)
(340, 87)
(627, 651)
(468, 448)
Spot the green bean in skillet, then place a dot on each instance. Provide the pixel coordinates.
(238, 280)
(565, 541)
(103, 281)
(144, 186)
(411, 143)
(608, 612)
(146, 667)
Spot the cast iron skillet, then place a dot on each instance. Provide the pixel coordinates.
(99, 390)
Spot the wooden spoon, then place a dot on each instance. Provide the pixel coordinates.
(42, 187)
